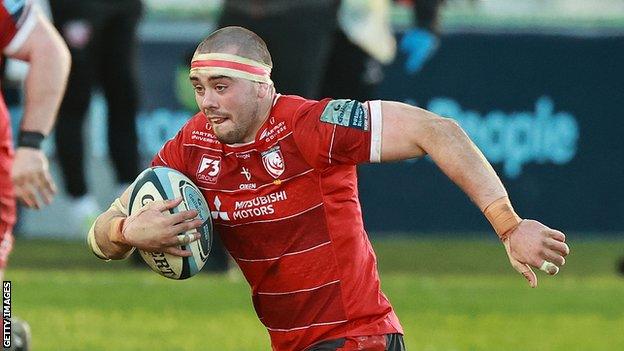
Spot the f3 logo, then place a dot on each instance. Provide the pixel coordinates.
(209, 168)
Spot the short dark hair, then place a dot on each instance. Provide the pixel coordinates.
(247, 43)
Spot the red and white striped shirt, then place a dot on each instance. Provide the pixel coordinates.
(286, 207)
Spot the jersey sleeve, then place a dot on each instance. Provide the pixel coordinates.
(17, 20)
(338, 132)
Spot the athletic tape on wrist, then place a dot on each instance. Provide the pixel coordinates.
(93, 245)
(95, 248)
(231, 66)
(502, 217)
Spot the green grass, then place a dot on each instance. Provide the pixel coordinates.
(449, 295)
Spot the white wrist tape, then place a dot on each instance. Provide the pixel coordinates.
(92, 242)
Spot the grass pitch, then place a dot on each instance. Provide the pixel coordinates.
(449, 295)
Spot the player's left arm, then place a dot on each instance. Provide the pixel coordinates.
(409, 132)
(39, 44)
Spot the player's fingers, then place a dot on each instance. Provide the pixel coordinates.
(182, 216)
(528, 274)
(187, 238)
(557, 246)
(186, 226)
(48, 186)
(549, 268)
(552, 257)
(51, 182)
(26, 195)
(45, 188)
(178, 252)
(555, 234)
(525, 270)
(182, 239)
(165, 205)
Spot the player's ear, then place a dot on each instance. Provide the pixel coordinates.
(263, 90)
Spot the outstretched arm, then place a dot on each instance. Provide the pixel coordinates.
(49, 61)
(409, 132)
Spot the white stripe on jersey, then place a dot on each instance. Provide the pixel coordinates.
(286, 254)
(298, 291)
(259, 187)
(376, 127)
(331, 145)
(307, 326)
(280, 139)
(201, 147)
(162, 159)
(268, 147)
(274, 219)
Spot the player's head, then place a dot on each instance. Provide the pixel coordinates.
(230, 72)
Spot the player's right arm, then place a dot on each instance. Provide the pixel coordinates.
(152, 228)
(115, 234)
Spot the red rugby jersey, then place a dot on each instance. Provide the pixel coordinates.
(17, 19)
(286, 207)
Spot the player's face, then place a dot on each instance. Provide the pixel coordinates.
(231, 106)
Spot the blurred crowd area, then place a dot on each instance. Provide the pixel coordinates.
(456, 13)
(535, 83)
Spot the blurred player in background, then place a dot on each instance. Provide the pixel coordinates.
(279, 174)
(25, 34)
(101, 36)
(364, 41)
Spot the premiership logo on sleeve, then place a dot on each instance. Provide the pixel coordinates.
(346, 113)
(273, 161)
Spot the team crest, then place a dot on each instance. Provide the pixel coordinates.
(273, 161)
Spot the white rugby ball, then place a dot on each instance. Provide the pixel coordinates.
(163, 183)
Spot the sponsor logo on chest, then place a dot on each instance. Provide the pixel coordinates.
(247, 174)
(273, 131)
(244, 209)
(206, 137)
(209, 168)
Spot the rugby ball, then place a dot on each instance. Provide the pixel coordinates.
(163, 183)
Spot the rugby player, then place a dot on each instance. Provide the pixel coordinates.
(279, 173)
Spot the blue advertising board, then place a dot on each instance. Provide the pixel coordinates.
(546, 110)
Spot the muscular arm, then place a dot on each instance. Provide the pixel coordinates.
(45, 83)
(410, 132)
(49, 61)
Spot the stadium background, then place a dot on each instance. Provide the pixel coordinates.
(537, 85)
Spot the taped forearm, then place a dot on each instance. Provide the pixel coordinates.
(105, 239)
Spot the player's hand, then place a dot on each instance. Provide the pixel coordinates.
(154, 229)
(534, 244)
(31, 177)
